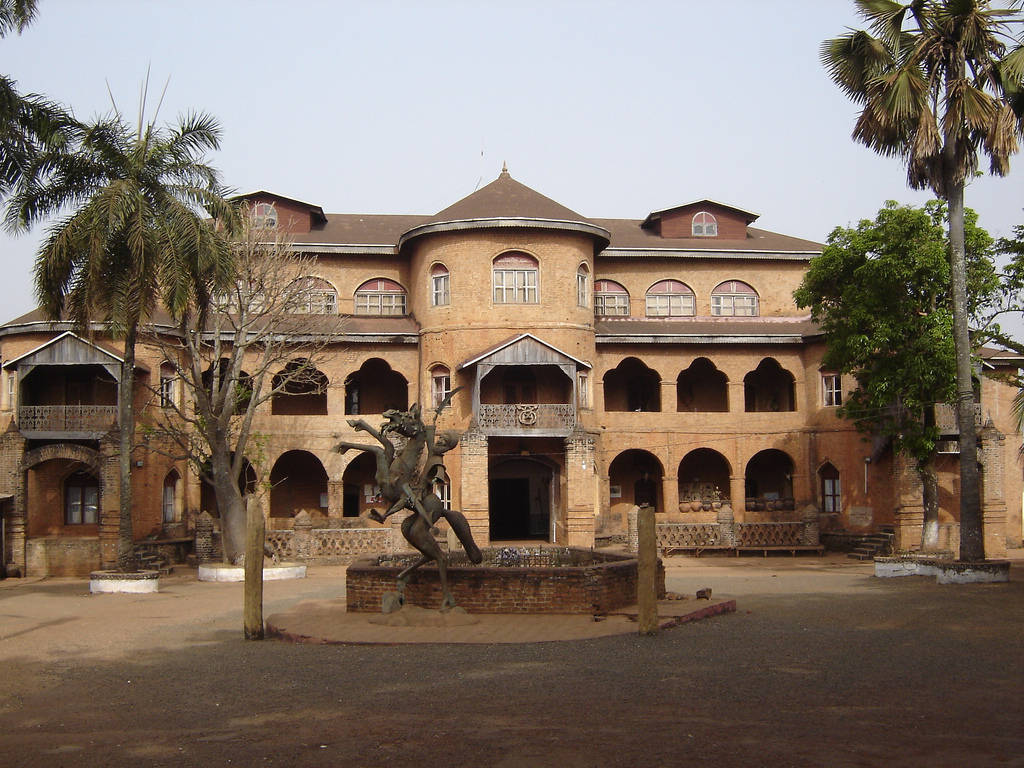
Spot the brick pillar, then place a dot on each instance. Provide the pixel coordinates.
(302, 536)
(811, 534)
(726, 526)
(909, 504)
(474, 485)
(335, 498)
(668, 397)
(670, 493)
(993, 502)
(205, 548)
(633, 530)
(737, 493)
(12, 482)
(581, 489)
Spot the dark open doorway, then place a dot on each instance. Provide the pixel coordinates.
(520, 501)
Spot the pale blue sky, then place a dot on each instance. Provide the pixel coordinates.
(613, 109)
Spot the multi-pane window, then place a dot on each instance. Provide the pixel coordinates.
(583, 389)
(831, 388)
(440, 385)
(610, 298)
(515, 279)
(670, 298)
(831, 495)
(170, 489)
(440, 286)
(264, 215)
(380, 297)
(583, 285)
(704, 225)
(443, 491)
(166, 390)
(734, 299)
(81, 499)
(12, 389)
(314, 296)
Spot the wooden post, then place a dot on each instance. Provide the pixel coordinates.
(252, 612)
(647, 570)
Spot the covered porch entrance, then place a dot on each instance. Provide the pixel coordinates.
(523, 484)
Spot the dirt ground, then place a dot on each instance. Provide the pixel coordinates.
(821, 665)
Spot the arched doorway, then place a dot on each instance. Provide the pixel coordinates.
(359, 487)
(634, 479)
(521, 498)
(769, 481)
(298, 482)
(704, 477)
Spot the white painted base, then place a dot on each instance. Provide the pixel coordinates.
(223, 572)
(140, 583)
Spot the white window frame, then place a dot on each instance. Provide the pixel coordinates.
(12, 389)
(707, 226)
(515, 285)
(582, 286)
(81, 514)
(381, 302)
(440, 385)
(443, 491)
(168, 391)
(670, 303)
(610, 303)
(440, 289)
(169, 504)
(831, 495)
(264, 215)
(831, 390)
(735, 304)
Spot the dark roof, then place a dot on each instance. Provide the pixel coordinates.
(628, 233)
(749, 216)
(506, 198)
(362, 229)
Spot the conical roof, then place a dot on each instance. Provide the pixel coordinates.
(503, 203)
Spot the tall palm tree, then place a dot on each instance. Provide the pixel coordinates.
(940, 81)
(136, 236)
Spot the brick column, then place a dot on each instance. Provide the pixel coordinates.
(811, 534)
(335, 498)
(726, 526)
(581, 489)
(668, 397)
(12, 482)
(993, 503)
(738, 494)
(633, 530)
(909, 504)
(302, 536)
(109, 474)
(670, 493)
(205, 548)
(474, 485)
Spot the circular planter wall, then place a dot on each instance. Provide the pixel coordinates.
(224, 572)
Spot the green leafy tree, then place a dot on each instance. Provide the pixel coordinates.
(136, 236)
(26, 122)
(940, 81)
(880, 292)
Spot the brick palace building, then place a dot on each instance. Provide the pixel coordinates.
(604, 363)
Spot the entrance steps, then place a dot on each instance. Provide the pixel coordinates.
(870, 545)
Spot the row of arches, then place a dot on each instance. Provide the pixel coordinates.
(633, 386)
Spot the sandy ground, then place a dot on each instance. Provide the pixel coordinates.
(822, 665)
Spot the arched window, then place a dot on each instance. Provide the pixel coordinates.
(264, 215)
(168, 385)
(704, 225)
(831, 495)
(734, 298)
(170, 498)
(583, 285)
(380, 297)
(440, 384)
(515, 279)
(440, 286)
(81, 499)
(670, 298)
(610, 299)
(313, 296)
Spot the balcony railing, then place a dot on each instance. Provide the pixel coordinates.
(527, 418)
(67, 418)
(945, 418)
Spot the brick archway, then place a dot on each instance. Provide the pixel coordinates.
(70, 451)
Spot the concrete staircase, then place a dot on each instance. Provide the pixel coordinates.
(871, 545)
(153, 560)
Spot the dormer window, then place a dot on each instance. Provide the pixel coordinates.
(704, 225)
(670, 298)
(264, 215)
(380, 297)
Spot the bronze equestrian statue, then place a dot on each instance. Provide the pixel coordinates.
(406, 478)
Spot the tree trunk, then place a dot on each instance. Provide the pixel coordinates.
(231, 507)
(126, 417)
(972, 543)
(930, 498)
(252, 612)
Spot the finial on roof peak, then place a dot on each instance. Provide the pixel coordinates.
(504, 168)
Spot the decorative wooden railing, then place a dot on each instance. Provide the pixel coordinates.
(526, 418)
(67, 418)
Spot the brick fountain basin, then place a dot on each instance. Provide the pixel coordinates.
(541, 579)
